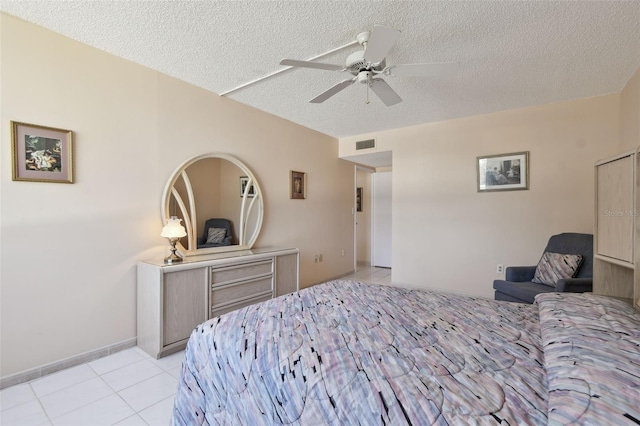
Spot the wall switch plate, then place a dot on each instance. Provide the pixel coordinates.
(499, 268)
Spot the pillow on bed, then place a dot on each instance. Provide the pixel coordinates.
(555, 266)
(216, 235)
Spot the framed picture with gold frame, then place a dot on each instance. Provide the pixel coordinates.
(297, 185)
(41, 154)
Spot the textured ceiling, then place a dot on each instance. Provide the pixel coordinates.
(511, 54)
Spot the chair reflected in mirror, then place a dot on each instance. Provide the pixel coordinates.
(217, 233)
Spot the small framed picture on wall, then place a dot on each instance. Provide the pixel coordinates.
(41, 154)
(503, 172)
(297, 185)
(244, 180)
(359, 199)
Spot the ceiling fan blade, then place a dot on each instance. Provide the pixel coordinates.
(422, 70)
(335, 89)
(380, 43)
(308, 64)
(385, 92)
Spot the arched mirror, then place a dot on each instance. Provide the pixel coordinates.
(219, 201)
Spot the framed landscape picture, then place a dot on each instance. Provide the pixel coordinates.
(503, 172)
(41, 154)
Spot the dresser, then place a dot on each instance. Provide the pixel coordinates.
(173, 299)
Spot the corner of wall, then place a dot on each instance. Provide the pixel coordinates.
(630, 114)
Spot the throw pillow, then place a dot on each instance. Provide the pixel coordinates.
(216, 235)
(555, 266)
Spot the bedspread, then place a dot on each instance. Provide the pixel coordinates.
(345, 352)
(592, 358)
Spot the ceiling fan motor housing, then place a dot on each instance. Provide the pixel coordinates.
(356, 63)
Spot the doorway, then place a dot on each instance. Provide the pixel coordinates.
(372, 218)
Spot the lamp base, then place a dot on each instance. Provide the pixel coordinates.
(173, 257)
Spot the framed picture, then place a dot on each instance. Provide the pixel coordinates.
(244, 180)
(359, 199)
(504, 172)
(298, 185)
(41, 154)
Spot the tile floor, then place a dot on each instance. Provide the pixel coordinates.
(126, 388)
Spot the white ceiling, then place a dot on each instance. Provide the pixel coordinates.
(512, 54)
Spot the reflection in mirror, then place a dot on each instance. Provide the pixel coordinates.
(219, 202)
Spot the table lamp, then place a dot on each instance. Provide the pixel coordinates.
(173, 231)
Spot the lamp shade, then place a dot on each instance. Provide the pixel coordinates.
(173, 229)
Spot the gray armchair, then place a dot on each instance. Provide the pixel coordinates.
(216, 223)
(518, 287)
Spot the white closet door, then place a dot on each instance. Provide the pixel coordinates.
(382, 219)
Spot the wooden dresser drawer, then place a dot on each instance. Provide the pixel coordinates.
(231, 293)
(216, 312)
(230, 274)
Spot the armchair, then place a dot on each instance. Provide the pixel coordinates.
(215, 223)
(519, 287)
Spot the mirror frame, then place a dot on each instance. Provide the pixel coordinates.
(247, 204)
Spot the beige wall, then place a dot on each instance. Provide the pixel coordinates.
(447, 236)
(630, 114)
(69, 252)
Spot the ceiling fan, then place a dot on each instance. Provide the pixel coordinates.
(369, 65)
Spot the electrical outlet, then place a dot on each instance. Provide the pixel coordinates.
(499, 268)
(343, 253)
(316, 259)
(320, 257)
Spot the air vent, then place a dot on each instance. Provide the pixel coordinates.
(369, 143)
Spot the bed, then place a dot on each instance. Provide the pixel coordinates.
(346, 352)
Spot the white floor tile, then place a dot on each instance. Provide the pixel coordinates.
(115, 361)
(62, 379)
(106, 411)
(159, 414)
(16, 395)
(149, 392)
(27, 414)
(74, 397)
(134, 420)
(131, 374)
(170, 361)
(176, 371)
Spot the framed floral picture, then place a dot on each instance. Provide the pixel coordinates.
(298, 185)
(503, 172)
(41, 154)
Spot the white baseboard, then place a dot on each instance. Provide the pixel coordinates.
(43, 370)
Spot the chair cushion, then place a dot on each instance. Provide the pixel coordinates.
(523, 292)
(216, 235)
(555, 266)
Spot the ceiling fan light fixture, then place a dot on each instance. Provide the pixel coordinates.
(364, 77)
